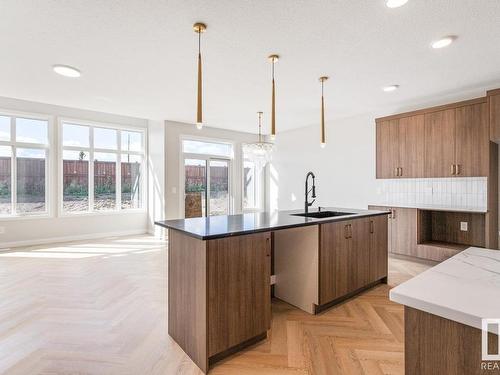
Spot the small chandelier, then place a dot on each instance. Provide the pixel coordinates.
(259, 152)
(199, 28)
(323, 135)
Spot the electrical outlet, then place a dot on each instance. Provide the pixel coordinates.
(464, 226)
(273, 279)
(2, 230)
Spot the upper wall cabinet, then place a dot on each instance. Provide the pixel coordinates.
(400, 145)
(494, 104)
(449, 141)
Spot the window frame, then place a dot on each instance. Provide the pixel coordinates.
(207, 157)
(14, 145)
(92, 150)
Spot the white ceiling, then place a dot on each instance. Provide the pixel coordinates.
(138, 57)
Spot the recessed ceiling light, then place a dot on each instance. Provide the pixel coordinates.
(395, 3)
(67, 71)
(390, 88)
(443, 42)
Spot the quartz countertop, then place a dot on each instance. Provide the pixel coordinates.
(464, 288)
(206, 228)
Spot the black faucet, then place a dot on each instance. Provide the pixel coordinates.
(307, 191)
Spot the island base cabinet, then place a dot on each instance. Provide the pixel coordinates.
(239, 292)
(435, 345)
(353, 255)
(218, 294)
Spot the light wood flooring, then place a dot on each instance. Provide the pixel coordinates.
(99, 307)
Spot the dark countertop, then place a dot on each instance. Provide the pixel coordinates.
(208, 228)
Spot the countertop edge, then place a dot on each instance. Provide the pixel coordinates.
(271, 229)
(441, 311)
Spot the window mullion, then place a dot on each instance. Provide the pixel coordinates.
(118, 182)
(91, 170)
(13, 167)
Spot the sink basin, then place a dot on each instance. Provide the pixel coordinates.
(323, 214)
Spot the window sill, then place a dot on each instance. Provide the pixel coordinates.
(26, 217)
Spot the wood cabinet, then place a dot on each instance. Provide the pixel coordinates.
(378, 247)
(472, 141)
(401, 229)
(439, 155)
(347, 250)
(494, 115)
(448, 141)
(219, 293)
(400, 144)
(239, 300)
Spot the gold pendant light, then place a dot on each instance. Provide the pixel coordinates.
(273, 59)
(323, 135)
(199, 28)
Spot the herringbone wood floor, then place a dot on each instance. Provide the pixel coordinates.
(99, 307)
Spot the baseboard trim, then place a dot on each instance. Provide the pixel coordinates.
(92, 236)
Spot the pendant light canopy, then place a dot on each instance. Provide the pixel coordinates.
(323, 135)
(273, 59)
(259, 152)
(199, 28)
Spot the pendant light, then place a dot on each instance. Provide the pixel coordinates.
(323, 135)
(199, 28)
(259, 152)
(273, 59)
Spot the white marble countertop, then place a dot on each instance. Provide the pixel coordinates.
(464, 288)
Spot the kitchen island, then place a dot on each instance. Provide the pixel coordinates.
(220, 267)
(445, 309)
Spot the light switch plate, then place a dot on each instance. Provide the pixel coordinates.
(464, 226)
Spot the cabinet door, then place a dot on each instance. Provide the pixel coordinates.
(412, 147)
(389, 224)
(239, 300)
(494, 104)
(378, 247)
(387, 148)
(439, 143)
(359, 256)
(472, 140)
(404, 231)
(334, 261)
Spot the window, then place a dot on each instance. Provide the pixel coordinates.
(102, 168)
(207, 177)
(24, 150)
(191, 146)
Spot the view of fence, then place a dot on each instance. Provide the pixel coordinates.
(31, 179)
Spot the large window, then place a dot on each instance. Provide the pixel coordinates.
(102, 168)
(24, 151)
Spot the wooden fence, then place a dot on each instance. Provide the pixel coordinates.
(196, 178)
(31, 174)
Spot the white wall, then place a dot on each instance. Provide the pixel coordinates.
(156, 175)
(344, 169)
(27, 231)
(173, 133)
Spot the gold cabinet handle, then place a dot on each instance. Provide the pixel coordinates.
(453, 169)
(350, 231)
(396, 171)
(371, 226)
(394, 214)
(401, 171)
(457, 169)
(346, 231)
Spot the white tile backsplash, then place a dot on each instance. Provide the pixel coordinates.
(465, 193)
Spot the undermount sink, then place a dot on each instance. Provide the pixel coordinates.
(323, 214)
